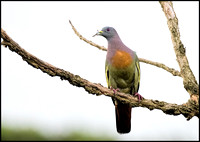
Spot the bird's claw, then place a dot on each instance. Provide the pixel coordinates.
(139, 96)
(136, 94)
(115, 90)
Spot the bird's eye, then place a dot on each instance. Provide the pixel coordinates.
(108, 29)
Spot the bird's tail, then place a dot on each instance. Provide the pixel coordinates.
(123, 117)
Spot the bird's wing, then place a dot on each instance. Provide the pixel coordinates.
(137, 75)
(107, 74)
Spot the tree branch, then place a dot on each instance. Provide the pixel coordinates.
(187, 109)
(84, 39)
(189, 81)
(160, 65)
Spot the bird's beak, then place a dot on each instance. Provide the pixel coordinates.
(98, 33)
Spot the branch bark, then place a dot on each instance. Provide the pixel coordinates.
(189, 81)
(186, 110)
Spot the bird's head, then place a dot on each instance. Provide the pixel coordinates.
(107, 32)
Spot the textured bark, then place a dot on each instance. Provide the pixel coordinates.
(173, 109)
(189, 81)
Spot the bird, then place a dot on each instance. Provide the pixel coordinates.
(122, 71)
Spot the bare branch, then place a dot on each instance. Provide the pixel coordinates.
(189, 81)
(84, 39)
(173, 109)
(160, 65)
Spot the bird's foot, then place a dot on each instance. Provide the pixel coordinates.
(139, 96)
(115, 90)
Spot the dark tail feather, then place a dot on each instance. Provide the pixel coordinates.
(123, 117)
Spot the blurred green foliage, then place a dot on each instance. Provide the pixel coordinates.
(20, 134)
(30, 134)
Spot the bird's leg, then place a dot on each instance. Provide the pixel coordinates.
(139, 96)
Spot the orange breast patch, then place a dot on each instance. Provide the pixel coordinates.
(121, 59)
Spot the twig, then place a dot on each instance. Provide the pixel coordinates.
(84, 39)
(98, 89)
(160, 65)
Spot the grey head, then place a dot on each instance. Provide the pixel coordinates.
(107, 32)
